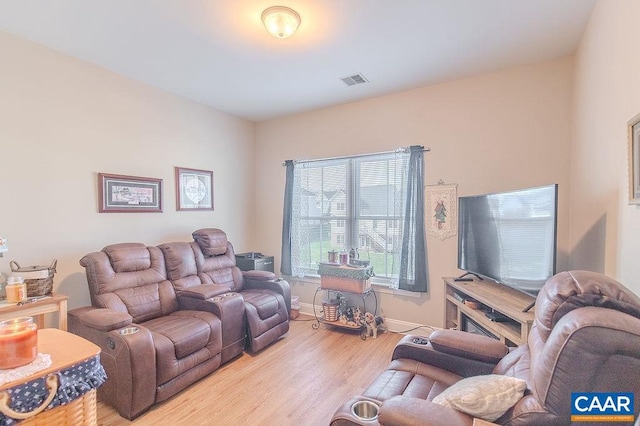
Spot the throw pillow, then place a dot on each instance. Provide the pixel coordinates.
(486, 397)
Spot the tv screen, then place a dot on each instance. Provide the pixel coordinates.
(510, 237)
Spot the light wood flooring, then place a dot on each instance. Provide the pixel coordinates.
(299, 380)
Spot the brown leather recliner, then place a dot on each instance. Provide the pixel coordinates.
(151, 349)
(182, 271)
(585, 338)
(267, 300)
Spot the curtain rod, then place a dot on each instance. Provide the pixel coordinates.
(349, 156)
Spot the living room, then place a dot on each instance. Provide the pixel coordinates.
(561, 120)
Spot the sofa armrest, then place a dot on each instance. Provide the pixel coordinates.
(128, 358)
(408, 347)
(404, 410)
(468, 345)
(204, 291)
(101, 319)
(268, 280)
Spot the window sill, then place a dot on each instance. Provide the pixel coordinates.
(380, 286)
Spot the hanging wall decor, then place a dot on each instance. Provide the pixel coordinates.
(441, 210)
(194, 189)
(120, 193)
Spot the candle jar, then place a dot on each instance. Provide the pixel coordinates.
(18, 342)
(16, 289)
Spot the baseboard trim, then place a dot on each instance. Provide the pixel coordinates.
(394, 325)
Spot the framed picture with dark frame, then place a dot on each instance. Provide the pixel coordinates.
(129, 194)
(194, 189)
(633, 128)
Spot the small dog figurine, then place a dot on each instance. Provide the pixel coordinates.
(357, 316)
(373, 323)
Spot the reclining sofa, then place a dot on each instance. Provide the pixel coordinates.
(585, 338)
(165, 317)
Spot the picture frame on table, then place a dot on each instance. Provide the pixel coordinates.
(633, 130)
(129, 194)
(194, 189)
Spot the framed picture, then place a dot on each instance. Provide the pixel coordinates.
(441, 210)
(119, 193)
(194, 189)
(633, 127)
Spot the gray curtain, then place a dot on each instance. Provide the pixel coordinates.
(285, 265)
(413, 270)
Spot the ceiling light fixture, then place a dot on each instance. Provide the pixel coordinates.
(281, 21)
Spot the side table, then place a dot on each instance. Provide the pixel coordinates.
(71, 381)
(52, 303)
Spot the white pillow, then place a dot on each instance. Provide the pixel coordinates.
(486, 397)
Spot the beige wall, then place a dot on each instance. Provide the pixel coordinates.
(604, 227)
(495, 132)
(62, 121)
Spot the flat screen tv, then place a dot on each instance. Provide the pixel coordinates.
(510, 237)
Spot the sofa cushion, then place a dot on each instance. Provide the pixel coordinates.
(487, 397)
(412, 378)
(187, 334)
(264, 301)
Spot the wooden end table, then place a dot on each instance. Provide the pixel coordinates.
(52, 303)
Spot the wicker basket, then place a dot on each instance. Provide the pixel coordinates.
(36, 286)
(330, 309)
(80, 411)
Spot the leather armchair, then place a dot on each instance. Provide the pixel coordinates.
(267, 300)
(151, 348)
(585, 338)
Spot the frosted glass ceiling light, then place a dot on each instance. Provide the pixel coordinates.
(281, 21)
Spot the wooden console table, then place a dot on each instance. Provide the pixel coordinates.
(492, 296)
(53, 303)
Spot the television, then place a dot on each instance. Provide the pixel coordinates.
(510, 237)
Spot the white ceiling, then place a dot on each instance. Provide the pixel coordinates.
(218, 53)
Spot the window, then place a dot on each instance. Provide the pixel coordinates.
(354, 202)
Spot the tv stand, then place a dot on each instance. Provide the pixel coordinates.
(510, 324)
(529, 306)
(466, 274)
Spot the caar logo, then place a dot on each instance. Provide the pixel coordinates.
(601, 407)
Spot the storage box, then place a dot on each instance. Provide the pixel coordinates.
(345, 278)
(253, 261)
(349, 285)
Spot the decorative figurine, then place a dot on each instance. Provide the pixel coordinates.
(373, 323)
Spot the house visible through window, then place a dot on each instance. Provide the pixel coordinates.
(351, 203)
(370, 202)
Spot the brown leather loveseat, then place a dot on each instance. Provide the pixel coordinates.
(207, 268)
(165, 317)
(585, 338)
(151, 349)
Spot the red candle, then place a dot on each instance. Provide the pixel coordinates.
(18, 342)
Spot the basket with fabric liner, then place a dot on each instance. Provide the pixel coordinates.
(39, 279)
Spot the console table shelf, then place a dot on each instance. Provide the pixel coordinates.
(492, 296)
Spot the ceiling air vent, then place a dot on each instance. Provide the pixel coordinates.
(354, 79)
